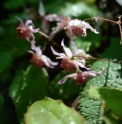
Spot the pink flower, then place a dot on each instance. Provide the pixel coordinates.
(78, 28)
(39, 59)
(61, 25)
(81, 77)
(73, 27)
(46, 19)
(68, 61)
(25, 31)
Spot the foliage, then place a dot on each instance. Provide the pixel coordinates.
(49, 111)
(107, 95)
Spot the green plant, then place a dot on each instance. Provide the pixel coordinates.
(78, 63)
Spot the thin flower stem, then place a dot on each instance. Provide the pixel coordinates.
(75, 103)
(115, 22)
(93, 58)
(46, 36)
(101, 19)
(43, 34)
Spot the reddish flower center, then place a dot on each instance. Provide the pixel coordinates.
(80, 78)
(23, 32)
(75, 30)
(67, 65)
(36, 60)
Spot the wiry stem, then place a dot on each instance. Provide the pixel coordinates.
(43, 34)
(75, 103)
(93, 58)
(101, 19)
(115, 22)
(46, 36)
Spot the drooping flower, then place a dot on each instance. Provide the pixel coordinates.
(25, 31)
(81, 54)
(80, 77)
(46, 19)
(39, 59)
(68, 61)
(45, 25)
(61, 25)
(73, 27)
(78, 28)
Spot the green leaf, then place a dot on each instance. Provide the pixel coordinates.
(79, 9)
(49, 111)
(56, 6)
(1, 103)
(12, 48)
(114, 51)
(9, 53)
(63, 91)
(91, 108)
(28, 87)
(112, 97)
(5, 60)
(109, 118)
(82, 43)
(13, 4)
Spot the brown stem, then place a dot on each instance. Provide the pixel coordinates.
(93, 58)
(115, 22)
(75, 103)
(43, 34)
(102, 19)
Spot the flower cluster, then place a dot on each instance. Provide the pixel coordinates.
(81, 77)
(25, 31)
(78, 28)
(69, 62)
(70, 58)
(39, 59)
(73, 27)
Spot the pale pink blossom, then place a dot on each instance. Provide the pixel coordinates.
(40, 59)
(73, 27)
(80, 77)
(61, 25)
(25, 31)
(68, 61)
(78, 28)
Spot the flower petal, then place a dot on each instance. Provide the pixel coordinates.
(66, 49)
(88, 26)
(95, 31)
(77, 62)
(51, 62)
(83, 66)
(30, 25)
(64, 79)
(36, 49)
(92, 73)
(45, 60)
(61, 55)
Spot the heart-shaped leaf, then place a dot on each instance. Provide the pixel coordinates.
(28, 87)
(49, 111)
(112, 97)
